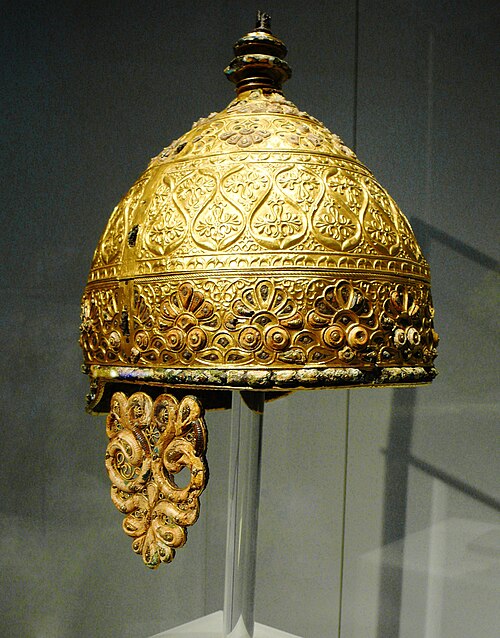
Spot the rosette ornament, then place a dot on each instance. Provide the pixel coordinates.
(255, 252)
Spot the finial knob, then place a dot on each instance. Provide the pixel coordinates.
(259, 62)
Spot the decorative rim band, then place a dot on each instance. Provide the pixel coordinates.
(263, 379)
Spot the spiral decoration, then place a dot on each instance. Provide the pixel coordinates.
(150, 442)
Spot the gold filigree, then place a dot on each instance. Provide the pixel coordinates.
(149, 443)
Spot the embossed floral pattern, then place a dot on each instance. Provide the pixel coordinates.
(194, 191)
(204, 120)
(218, 222)
(272, 322)
(245, 136)
(349, 189)
(222, 204)
(332, 223)
(345, 149)
(101, 328)
(407, 236)
(304, 136)
(301, 186)
(252, 192)
(278, 220)
(347, 320)
(166, 232)
(112, 240)
(258, 102)
(336, 226)
(410, 325)
(381, 232)
(181, 324)
(265, 319)
(246, 183)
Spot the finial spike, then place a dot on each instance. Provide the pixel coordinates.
(263, 22)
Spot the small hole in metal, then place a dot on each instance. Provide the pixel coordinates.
(132, 236)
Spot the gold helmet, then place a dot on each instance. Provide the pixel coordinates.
(255, 252)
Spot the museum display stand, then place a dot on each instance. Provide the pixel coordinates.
(237, 618)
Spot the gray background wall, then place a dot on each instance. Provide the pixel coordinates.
(90, 92)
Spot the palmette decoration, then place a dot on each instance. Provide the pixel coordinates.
(255, 252)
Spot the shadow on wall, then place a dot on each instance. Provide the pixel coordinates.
(399, 460)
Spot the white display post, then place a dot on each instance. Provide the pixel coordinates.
(237, 618)
(243, 513)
